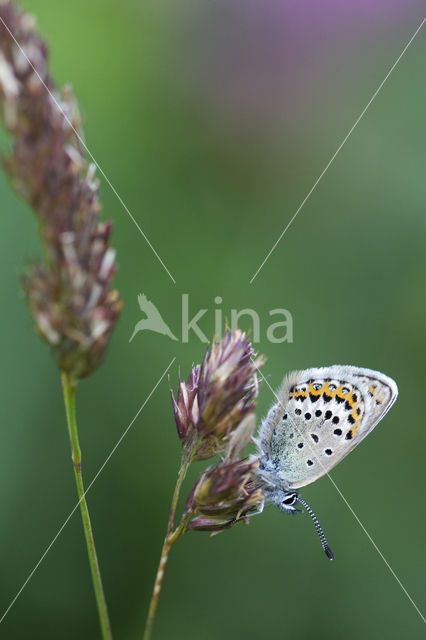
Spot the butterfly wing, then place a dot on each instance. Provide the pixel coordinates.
(321, 415)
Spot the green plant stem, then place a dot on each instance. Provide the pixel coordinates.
(69, 387)
(171, 536)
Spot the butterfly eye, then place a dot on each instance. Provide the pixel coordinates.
(332, 387)
(345, 390)
(316, 386)
(290, 499)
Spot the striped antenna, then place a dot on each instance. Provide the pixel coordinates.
(320, 532)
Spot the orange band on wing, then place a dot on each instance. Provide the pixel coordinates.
(350, 399)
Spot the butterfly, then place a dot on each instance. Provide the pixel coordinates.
(321, 414)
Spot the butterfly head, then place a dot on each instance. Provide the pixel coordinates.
(284, 500)
(287, 502)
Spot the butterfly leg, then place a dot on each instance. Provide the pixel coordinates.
(259, 510)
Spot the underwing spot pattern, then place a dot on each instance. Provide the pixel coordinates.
(333, 408)
(323, 413)
(340, 404)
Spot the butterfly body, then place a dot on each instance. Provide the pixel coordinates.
(321, 414)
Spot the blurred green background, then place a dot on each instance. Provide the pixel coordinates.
(212, 121)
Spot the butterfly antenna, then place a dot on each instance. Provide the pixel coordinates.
(320, 532)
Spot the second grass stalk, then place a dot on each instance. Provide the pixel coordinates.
(69, 389)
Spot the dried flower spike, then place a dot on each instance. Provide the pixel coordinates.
(70, 297)
(213, 412)
(224, 495)
(217, 396)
